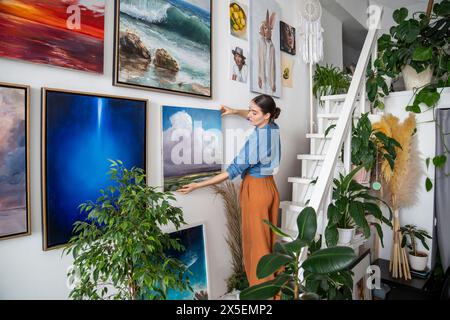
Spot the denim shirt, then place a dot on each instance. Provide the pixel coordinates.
(261, 154)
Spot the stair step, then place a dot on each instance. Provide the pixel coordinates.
(299, 180)
(292, 206)
(332, 116)
(337, 97)
(312, 157)
(318, 136)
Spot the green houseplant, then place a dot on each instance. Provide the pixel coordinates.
(369, 144)
(351, 206)
(119, 250)
(418, 260)
(329, 80)
(421, 42)
(325, 270)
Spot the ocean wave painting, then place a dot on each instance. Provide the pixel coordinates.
(81, 133)
(14, 157)
(63, 33)
(164, 45)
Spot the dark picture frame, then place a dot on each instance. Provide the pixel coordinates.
(287, 31)
(166, 77)
(15, 214)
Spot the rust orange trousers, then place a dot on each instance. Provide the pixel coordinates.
(260, 200)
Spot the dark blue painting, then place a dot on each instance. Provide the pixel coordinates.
(194, 257)
(81, 132)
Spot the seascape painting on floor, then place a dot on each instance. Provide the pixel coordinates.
(164, 45)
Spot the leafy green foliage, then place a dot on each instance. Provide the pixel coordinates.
(326, 273)
(420, 42)
(352, 204)
(329, 80)
(367, 143)
(414, 233)
(119, 250)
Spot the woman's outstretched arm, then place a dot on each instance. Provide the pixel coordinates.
(226, 111)
(214, 180)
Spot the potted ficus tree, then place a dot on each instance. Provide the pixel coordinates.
(119, 251)
(417, 259)
(351, 205)
(326, 274)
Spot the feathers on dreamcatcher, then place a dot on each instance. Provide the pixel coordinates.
(400, 185)
(311, 39)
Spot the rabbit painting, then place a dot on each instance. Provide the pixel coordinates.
(266, 55)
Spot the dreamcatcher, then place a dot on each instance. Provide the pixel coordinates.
(311, 43)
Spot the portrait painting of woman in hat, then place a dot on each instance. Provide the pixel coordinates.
(239, 69)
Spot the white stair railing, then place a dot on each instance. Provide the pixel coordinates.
(342, 132)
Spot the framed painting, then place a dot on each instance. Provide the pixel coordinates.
(62, 33)
(265, 55)
(287, 35)
(164, 45)
(360, 276)
(15, 209)
(192, 145)
(195, 258)
(80, 133)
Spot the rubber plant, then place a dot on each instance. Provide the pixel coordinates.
(351, 205)
(414, 233)
(119, 251)
(326, 273)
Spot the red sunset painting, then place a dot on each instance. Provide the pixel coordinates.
(64, 33)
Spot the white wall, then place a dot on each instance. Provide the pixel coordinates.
(26, 272)
(356, 8)
(332, 39)
(351, 55)
(422, 213)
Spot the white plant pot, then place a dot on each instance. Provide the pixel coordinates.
(346, 235)
(414, 80)
(418, 263)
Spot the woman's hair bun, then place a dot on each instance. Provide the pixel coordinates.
(276, 114)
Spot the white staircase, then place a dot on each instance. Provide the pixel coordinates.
(326, 159)
(311, 164)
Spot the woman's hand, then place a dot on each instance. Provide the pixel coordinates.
(226, 111)
(188, 188)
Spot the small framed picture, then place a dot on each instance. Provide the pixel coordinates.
(288, 43)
